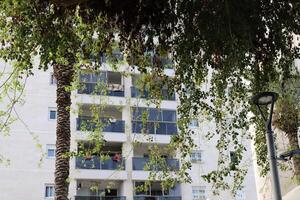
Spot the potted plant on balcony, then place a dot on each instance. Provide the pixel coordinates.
(88, 155)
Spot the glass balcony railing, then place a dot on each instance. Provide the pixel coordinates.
(157, 198)
(86, 123)
(160, 128)
(96, 163)
(139, 163)
(99, 198)
(135, 92)
(93, 88)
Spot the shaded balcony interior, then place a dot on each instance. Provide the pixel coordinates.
(154, 121)
(104, 118)
(108, 157)
(116, 55)
(164, 160)
(155, 191)
(163, 60)
(102, 83)
(150, 57)
(139, 89)
(99, 190)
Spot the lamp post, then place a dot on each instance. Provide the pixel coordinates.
(265, 99)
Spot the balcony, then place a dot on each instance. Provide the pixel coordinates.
(96, 163)
(93, 88)
(135, 92)
(160, 128)
(102, 83)
(87, 124)
(139, 163)
(99, 198)
(157, 197)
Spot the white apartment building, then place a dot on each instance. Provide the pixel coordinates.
(91, 178)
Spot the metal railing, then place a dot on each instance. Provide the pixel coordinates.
(96, 163)
(94, 88)
(100, 198)
(139, 163)
(160, 128)
(87, 124)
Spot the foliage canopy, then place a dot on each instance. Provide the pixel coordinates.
(236, 48)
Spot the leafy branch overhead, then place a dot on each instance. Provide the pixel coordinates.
(223, 51)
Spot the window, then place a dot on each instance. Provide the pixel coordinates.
(50, 151)
(158, 121)
(154, 114)
(233, 160)
(194, 123)
(53, 80)
(169, 115)
(139, 189)
(49, 191)
(196, 156)
(198, 193)
(153, 189)
(52, 114)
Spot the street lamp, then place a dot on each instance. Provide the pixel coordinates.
(265, 99)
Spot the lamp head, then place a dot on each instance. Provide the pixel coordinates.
(264, 98)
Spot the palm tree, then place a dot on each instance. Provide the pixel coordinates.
(64, 76)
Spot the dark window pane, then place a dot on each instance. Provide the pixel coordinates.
(101, 77)
(53, 80)
(139, 189)
(85, 78)
(171, 128)
(52, 114)
(137, 127)
(154, 115)
(169, 116)
(49, 191)
(233, 157)
(137, 113)
(161, 129)
(150, 128)
(51, 153)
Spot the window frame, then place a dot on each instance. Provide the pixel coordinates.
(201, 192)
(50, 109)
(48, 147)
(53, 80)
(137, 120)
(197, 160)
(48, 185)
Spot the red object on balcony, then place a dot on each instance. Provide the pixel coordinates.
(117, 157)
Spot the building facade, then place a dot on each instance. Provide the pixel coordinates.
(32, 138)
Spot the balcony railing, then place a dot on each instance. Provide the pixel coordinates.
(93, 88)
(96, 163)
(135, 92)
(160, 128)
(157, 197)
(140, 163)
(99, 198)
(87, 124)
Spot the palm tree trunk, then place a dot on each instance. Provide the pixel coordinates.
(64, 75)
(293, 141)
